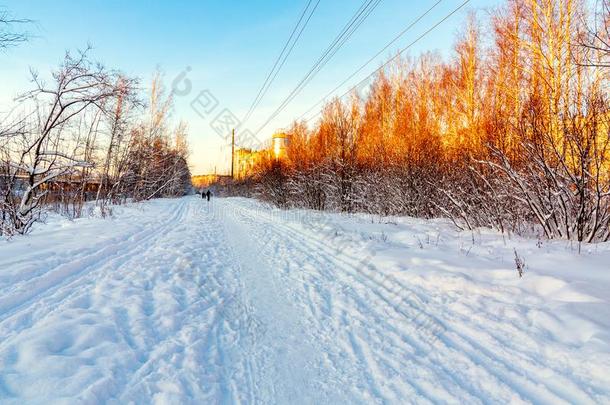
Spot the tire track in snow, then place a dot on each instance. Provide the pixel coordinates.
(299, 246)
(61, 294)
(248, 327)
(283, 349)
(501, 369)
(56, 277)
(221, 348)
(64, 278)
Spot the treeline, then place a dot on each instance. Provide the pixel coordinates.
(87, 135)
(511, 132)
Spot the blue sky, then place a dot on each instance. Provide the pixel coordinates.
(229, 47)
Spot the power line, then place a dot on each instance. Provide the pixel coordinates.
(281, 59)
(294, 43)
(350, 27)
(396, 38)
(400, 52)
(277, 60)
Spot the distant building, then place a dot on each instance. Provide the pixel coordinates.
(247, 159)
(59, 186)
(205, 180)
(245, 162)
(279, 145)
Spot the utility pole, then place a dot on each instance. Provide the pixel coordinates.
(232, 152)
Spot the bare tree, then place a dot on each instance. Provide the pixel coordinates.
(8, 35)
(597, 39)
(155, 163)
(43, 152)
(118, 122)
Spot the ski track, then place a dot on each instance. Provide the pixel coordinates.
(493, 364)
(222, 302)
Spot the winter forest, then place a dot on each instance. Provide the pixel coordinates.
(87, 134)
(511, 131)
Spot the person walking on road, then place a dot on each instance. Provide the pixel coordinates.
(208, 194)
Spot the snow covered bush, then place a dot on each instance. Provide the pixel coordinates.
(511, 133)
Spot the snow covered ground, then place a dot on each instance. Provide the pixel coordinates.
(181, 301)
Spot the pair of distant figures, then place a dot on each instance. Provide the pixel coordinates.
(207, 194)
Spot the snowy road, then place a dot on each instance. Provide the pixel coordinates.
(178, 301)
